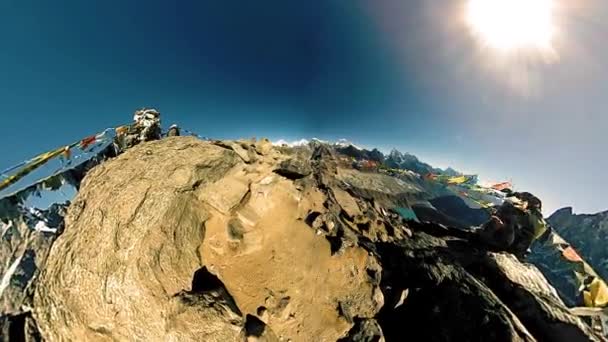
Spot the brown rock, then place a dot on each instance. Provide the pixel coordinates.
(348, 204)
(190, 205)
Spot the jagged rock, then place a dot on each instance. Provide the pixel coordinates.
(294, 168)
(281, 264)
(445, 275)
(22, 251)
(396, 159)
(243, 149)
(526, 291)
(258, 331)
(365, 330)
(588, 235)
(182, 239)
(456, 207)
(207, 301)
(20, 327)
(359, 154)
(348, 204)
(426, 212)
(454, 304)
(370, 184)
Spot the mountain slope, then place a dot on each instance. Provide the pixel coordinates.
(187, 240)
(587, 234)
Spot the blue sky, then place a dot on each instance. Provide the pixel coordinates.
(391, 73)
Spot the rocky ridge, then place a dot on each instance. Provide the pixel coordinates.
(587, 234)
(183, 239)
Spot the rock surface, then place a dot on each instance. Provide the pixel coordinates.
(588, 235)
(188, 240)
(23, 251)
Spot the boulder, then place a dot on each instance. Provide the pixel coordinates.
(164, 210)
(294, 168)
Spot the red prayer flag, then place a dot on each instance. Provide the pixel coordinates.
(502, 186)
(570, 254)
(86, 142)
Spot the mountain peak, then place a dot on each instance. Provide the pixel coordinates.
(234, 239)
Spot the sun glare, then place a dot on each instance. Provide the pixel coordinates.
(512, 24)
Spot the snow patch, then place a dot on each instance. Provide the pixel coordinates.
(5, 227)
(6, 279)
(345, 143)
(294, 143)
(42, 227)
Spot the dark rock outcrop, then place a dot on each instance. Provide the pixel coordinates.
(25, 241)
(294, 168)
(446, 278)
(364, 330)
(406, 161)
(360, 154)
(587, 234)
(19, 327)
(455, 207)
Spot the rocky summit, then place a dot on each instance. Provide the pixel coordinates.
(189, 240)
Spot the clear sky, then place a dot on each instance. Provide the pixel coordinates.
(387, 73)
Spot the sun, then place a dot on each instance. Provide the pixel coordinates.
(509, 25)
